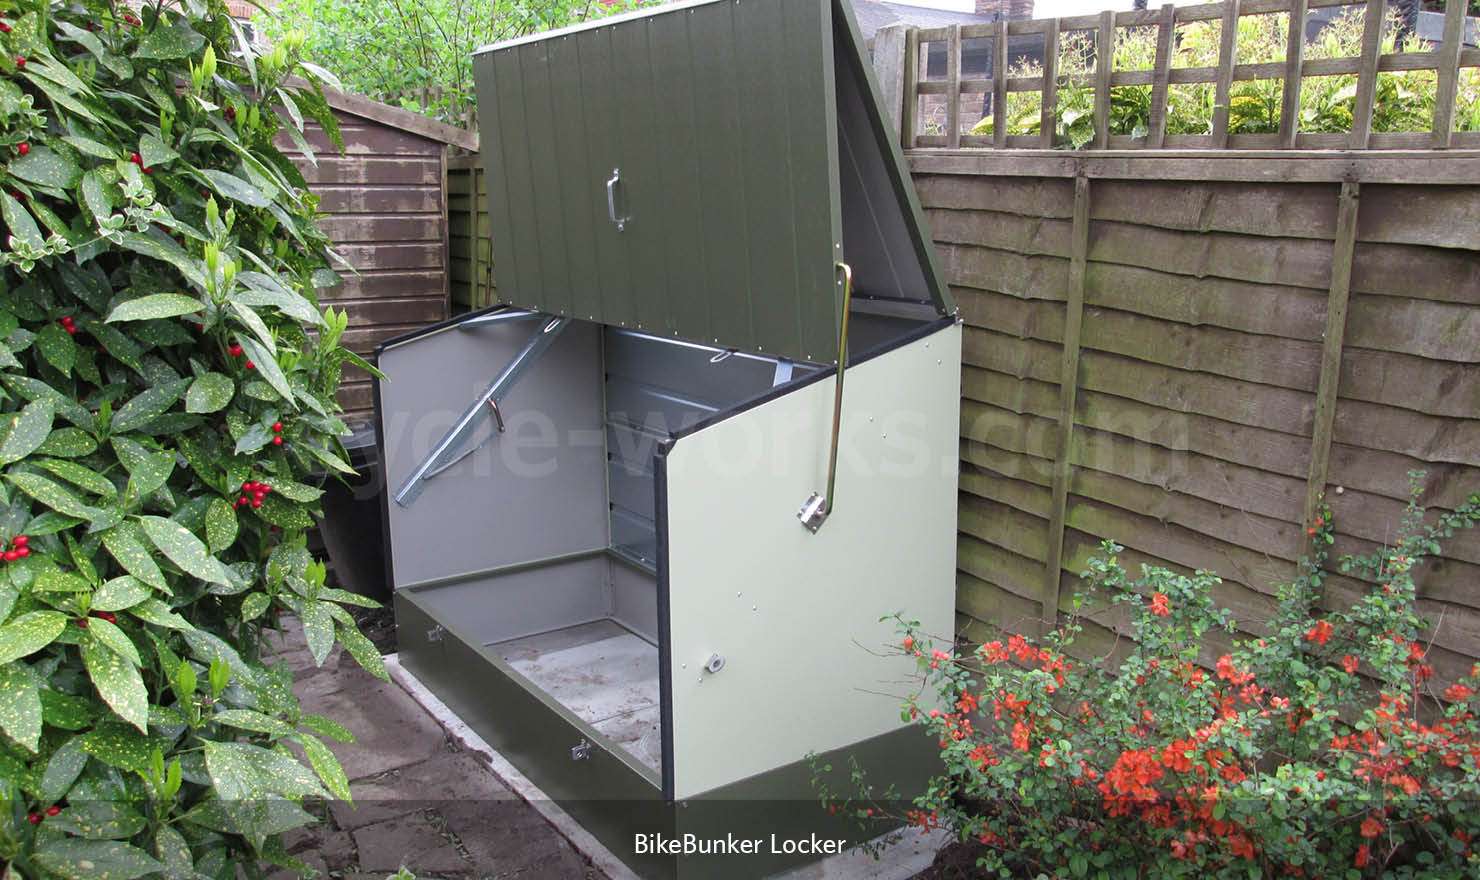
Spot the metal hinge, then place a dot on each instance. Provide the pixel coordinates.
(581, 751)
(436, 633)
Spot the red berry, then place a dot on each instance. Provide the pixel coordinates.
(256, 502)
(277, 441)
(4, 28)
(136, 159)
(20, 62)
(231, 113)
(205, 193)
(249, 365)
(34, 817)
(277, 427)
(23, 552)
(235, 350)
(247, 486)
(21, 540)
(53, 810)
(266, 488)
(73, 331)
(236, 504)
(10, 555)
(148, 170)
(242, 500)
(67, 321)
(23, 148)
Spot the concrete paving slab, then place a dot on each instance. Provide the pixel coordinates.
(436, 782)
(391, 729)
(507, 838)
(413, 841)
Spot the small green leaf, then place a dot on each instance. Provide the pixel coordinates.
(147, 405)
(363, 650)
(56, 581)
(56, 345)
(62, 770)
(118, 683)
(318, 630)
(68, 443)
(246, 719)
(30, 633)
(326, 766)
(29, 428)
(134, 558)
(283, 513)
(20, 705)
(221, 525)
(233, 187)
(153, 151)
(78, 859)
(327, 727)
(254, 605)
(98, 820)
(109, 634)
(46, 167)
(174, 40)
(256, 437)
(52, 495)
(156, 305)
(172, 849)
(209, 393)
(186, 550)
(68, 712)
(156, 612)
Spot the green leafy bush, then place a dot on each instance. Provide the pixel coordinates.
(1322, 749)
(432, 42)
(167, 385)
(1404, 100)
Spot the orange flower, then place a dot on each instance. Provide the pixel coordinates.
(1159, 604)
(1320, 633)
(1350, 663)
(1458, 693)
(1371, 827)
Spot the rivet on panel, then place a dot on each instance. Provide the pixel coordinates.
(754, 608)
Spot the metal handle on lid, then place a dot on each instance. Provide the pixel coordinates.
(611, 200)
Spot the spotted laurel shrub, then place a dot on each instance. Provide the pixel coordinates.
(1323, 748)
(166, 389)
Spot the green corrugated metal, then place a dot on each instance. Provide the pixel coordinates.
(723, 120)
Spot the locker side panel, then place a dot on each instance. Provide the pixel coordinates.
(795, 615)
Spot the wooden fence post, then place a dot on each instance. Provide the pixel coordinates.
(1325, 414)
(1227, 57)
(1294, 64)
(889, 69)
(1068, 392)
(910, 88)
(1104, 69)
(1166, 30)
(1454, 40)
(1367, 75)
(953, 87)
(1048, 117)
(999, 86)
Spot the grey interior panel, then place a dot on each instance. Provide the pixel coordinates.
(867, 331)
(524, 602)
(634, 599)
(535, 491)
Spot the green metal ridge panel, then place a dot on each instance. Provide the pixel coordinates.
(721, 118)
(902, 240)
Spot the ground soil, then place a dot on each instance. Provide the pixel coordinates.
(378, 625)
(956, 861)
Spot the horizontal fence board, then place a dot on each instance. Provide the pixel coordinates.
(379, 199)
(1430, 386)
(1029, 197)
(1414, 272)
(1385, 473)
(1438, 330)
(1408, 167)
(1005, 526)
(1430, 438)
(1432, 216)
(986, 600)
(371, 169)
(393, 255)
(1149, 426)
(380, 228)
(1023, 275)
(374, 283)
(1232, 400)
(374, 140)
(1295, 210)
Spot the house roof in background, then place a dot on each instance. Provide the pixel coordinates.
(875, 14)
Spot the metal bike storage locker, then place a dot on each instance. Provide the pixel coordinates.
(644, 517)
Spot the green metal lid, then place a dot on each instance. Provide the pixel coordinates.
(698, 170)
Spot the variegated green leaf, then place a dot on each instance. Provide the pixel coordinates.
(77, 859)
(62, 769)
(326, 766)
(68, 443)
(246, 719)
(109, 634)
(28, 430)
(267, 365)
(156, 612)
(221, 525)
(20, 704)
(254, 605)
(56, 345)
(58, 581)
(209, 393)
(234, 776)
(134, 558)
(184, 549)
(118, 683)
(174, 852)
(155, 305)
(119, 593)
(363, 650)
(67, 712)
(318, 630)
(53, 495)
(78, 475)
(147, 469)
(327, 727)
(121, 746)
(98, 820)
(147, 405)
(30, 633)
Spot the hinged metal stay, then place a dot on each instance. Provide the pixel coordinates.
(819, 505)
(441, 457)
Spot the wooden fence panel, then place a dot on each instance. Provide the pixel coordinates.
(1215, 393)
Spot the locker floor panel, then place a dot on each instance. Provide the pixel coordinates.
(603, 673)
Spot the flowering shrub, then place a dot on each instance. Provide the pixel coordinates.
(166, 387)
(1319, 750)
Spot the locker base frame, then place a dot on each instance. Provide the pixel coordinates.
(619, 800)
